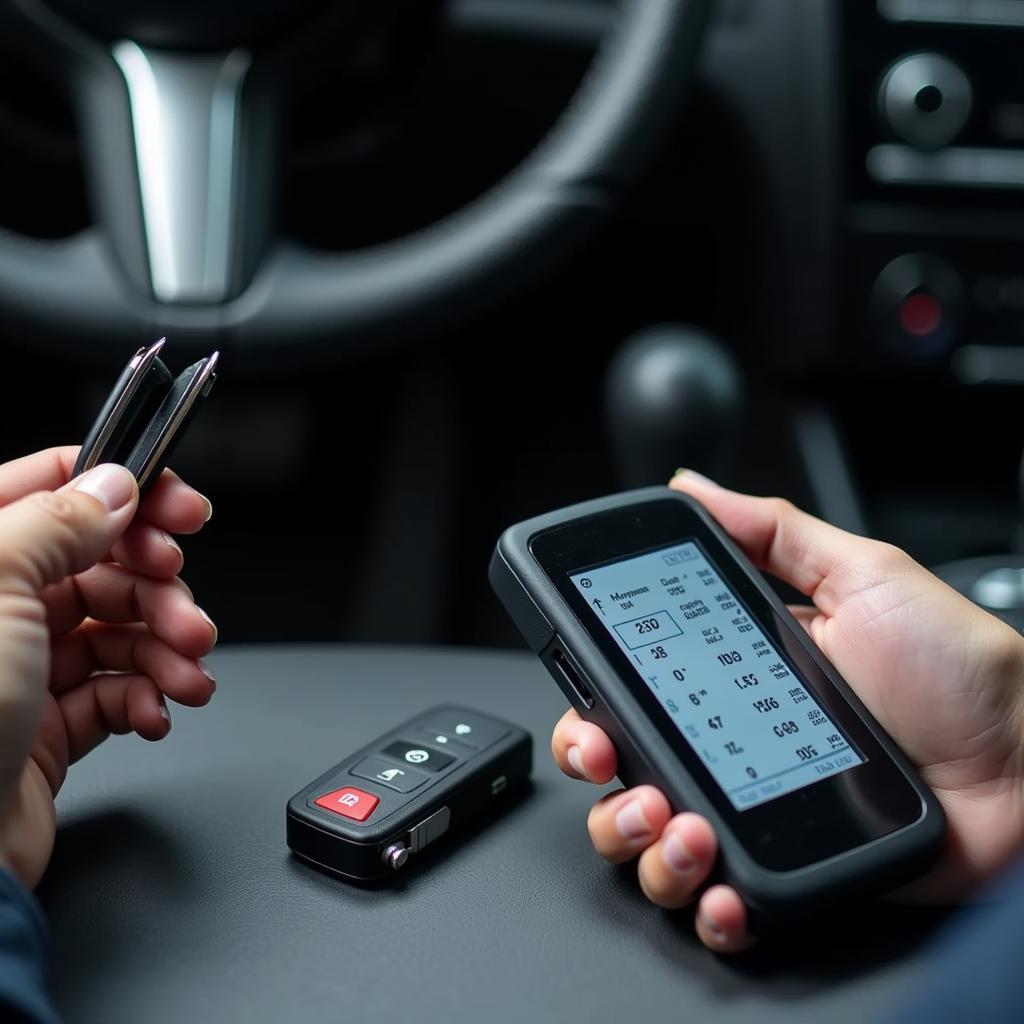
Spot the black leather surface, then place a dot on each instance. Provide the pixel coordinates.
(173, 896)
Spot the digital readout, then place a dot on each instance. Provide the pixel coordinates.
(730, 693)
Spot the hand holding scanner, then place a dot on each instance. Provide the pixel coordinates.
(658, 629)
(146, 415)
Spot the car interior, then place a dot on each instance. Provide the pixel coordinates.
(801, 214)
(466, 261)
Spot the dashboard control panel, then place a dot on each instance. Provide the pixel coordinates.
(934, 162)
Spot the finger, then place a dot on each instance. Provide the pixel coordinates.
(173, 506)
(673, 868)
(109, 593)
(722, 921)
(148, 550)
(626, 822)
(50, 535)
(98, 647)
(42, 471)
(822, 561)
(112, 704)
(46, 536)
(805, 614)
(582, 750)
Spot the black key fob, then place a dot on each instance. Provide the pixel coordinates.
(443, 769)
(146, 415)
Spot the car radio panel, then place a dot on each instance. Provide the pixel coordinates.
(934, 130)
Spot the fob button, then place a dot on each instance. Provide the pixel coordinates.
(349, 802)
(464, 727)
(443, 739)
(419, 755)
(402, 780)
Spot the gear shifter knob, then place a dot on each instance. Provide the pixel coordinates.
(673, 397)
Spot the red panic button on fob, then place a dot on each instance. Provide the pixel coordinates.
(349, 802)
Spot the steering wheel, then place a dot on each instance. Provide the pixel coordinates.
(179, 113)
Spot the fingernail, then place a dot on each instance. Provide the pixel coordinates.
(697, 478)
(165, 715)
(113, 486)
(712, 927)
(631, 822)
(575, 759)
(210, 623)
(172, 544)
(676, 855)
(209, 507)
(206, 672)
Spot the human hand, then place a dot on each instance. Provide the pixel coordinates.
(95, 629)
(942, 676)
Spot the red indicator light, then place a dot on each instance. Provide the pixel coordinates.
(920, 314)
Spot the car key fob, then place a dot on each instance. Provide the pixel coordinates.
(146, 415)
(443, 769)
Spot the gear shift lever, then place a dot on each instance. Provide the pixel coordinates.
(672, 398)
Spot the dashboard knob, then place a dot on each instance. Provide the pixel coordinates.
(926, 99)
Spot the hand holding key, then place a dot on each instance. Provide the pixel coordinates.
(96, 629)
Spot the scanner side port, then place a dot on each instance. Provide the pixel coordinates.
(569, 680)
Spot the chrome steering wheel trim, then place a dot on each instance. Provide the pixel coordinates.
(185, 112)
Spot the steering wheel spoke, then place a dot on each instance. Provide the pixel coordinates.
(181, 173)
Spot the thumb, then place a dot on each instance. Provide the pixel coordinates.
(45, 537)
(820, 560)
(49, 535)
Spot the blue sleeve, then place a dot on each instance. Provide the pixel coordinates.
(24, 950)
(975, 971)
